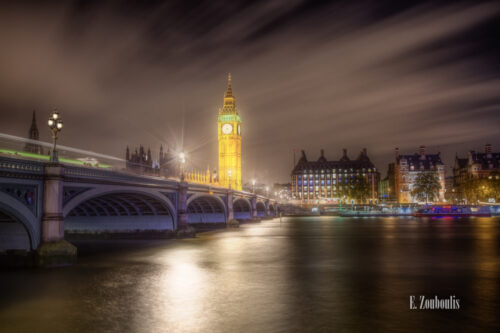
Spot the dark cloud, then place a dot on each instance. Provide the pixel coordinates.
(305, 74)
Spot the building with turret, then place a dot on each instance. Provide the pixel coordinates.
(323, 181)
(408, 167)
(477, 165)
(33, 135)
(141, 162)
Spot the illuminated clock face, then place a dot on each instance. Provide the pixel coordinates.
(227, 128)
(239, 130)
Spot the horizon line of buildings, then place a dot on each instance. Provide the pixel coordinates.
(323, 182)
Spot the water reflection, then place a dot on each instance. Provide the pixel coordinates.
(303, 274)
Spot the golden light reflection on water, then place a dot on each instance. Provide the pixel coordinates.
(175, 294)
(305, 274)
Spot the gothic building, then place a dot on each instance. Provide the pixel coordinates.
(229, 135)
(141, 162)
(33, 135)
(324, 181)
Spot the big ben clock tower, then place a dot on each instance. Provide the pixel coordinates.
(229, 134)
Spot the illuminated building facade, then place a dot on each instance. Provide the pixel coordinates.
(229, 136)
(323, 181)
(476, 165)
(408, 167)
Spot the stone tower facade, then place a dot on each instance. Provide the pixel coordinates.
(229, 136)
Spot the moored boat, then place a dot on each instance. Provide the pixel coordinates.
(452, 210)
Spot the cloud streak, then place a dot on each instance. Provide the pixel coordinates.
(304, 77)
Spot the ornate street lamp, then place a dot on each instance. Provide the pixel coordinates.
(229, 173)
(267, 191)
(253, 185)
(55, 124)
(182, 159)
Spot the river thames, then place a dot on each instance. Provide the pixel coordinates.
(303, 274)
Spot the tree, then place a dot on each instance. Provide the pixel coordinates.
(360, 189)
(426, 187)
(482, 189)
(344, 193)
(494, 185)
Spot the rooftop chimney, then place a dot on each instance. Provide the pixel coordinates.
(396, 152)
(487, 149)
(421, 151)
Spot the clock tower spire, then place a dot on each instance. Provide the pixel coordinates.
(229, 135)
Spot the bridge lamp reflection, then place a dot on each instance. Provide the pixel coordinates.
(55, 124)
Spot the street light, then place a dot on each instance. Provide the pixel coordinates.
(253, 185)
(229, 173)
(267, 191)
(182, 159)
(55, 124)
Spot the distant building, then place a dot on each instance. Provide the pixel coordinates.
(142, 162)
(322, 181)
(408, 167)
(387, 186)
(476, 165)
(33, 135)
(282, 191)
(449, 191)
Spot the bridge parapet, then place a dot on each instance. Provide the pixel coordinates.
(21, 166)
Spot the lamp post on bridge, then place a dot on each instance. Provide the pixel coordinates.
(182, 159)
(267, 191)
(55, 124)
(253, 185)
(229, 173)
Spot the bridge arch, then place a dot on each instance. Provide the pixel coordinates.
(19, 227)
(206, 208)
(261, 209)
(242, 209)
(121, 209)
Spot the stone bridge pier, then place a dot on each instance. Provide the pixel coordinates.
(54, 250)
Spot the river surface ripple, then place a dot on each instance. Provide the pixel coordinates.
(307, 274)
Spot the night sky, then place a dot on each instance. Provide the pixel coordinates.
(306, 75)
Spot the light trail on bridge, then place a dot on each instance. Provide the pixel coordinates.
(59, 147)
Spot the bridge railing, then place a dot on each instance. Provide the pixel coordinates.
(21, 166)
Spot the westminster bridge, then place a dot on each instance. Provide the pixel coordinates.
(40, 201)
